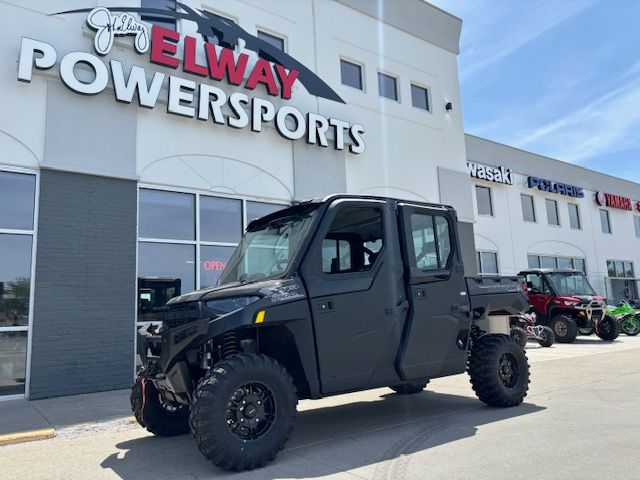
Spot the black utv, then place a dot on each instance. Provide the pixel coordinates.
(329, 296)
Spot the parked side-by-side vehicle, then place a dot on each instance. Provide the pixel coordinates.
(325, 297)
(565, 301)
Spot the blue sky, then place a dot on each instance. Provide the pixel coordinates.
(560, 78)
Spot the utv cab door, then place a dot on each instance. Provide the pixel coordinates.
(354, 276)
(435, 339)
(539, 293)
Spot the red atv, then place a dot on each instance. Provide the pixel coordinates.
(565, 301)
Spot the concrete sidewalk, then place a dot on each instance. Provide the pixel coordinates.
(24, 420)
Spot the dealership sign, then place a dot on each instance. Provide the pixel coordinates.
(615, 201)
(274, 70)
(555, 187)
(491, 174)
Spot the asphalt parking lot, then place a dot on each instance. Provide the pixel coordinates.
(580, 420)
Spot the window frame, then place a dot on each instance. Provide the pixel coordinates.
(492, 214)
(396, 79)
(355, 63)
(578, 218)
(495, 253)
(33, 233)
(270, 33)
(427, 90)
(417, 275)
(555, 205)
(533, 208)
(608, 217)
(334, 213)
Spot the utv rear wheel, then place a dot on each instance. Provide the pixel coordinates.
(409, 388)
(546, 337)
(608, 329)
(564, 328)
(499, 371)
(243, 412)
(519, 335)
(158, 416)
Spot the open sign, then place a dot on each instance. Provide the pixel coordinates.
(215, 265)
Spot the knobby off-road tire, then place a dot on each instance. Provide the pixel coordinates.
(608, 329)
(630, 326)
(547, 337)
(519, 335)
(225, 428)
(564, 328)
(409, 388)
(498, 370)
(158, 417)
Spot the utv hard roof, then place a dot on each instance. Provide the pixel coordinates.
(316, 202)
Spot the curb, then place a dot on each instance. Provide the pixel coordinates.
(27, 436)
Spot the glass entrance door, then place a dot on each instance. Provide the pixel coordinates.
(17, 205)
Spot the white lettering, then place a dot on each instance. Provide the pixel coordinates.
(236, 100)
(355, 132)
(204, 103)
(28, 50)
(177, 95)
(147, 96)
(68, 73)
(261, 111)
(281, 123)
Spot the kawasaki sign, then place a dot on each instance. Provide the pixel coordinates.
(491, 174)
(273, 70)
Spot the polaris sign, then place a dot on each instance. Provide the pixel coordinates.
(491, 174)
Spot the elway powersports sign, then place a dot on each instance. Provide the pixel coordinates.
(274, 69)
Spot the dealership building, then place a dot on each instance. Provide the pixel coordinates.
(136, 146)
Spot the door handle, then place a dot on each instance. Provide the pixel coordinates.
(324, 306)
(462, 308)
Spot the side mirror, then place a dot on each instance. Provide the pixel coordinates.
(529, 286)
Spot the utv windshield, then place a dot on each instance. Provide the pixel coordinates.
(569, 284)
(266, 250)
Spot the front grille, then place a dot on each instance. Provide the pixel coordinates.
(180, 314)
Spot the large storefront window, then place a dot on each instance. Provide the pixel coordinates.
(545, 261)
(621, 284)
(185, 241)
(17, 205)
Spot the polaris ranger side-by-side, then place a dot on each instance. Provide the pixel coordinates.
(325, 297)
(565, 301)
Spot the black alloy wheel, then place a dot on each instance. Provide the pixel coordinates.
(251, 411)
(508, 370)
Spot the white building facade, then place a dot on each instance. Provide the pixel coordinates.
(133, 155)
(556, 215)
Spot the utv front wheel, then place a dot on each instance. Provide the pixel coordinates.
(243, 412)
(499, 371)
(564, 328)
(158, 416)
(608, 329)
(409, 388)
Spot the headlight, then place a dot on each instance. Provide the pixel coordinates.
(222, 306)
(569, 304)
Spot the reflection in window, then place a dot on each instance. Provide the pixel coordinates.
(166, 215)
(15, 279)
(169, 261)
(13, 360)
(220, 219)
(353, 241)
(17, 197)
(277, 42)
(487, 263)
(431, 251)
(260, 209)
(213, 260)
(483, 199)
